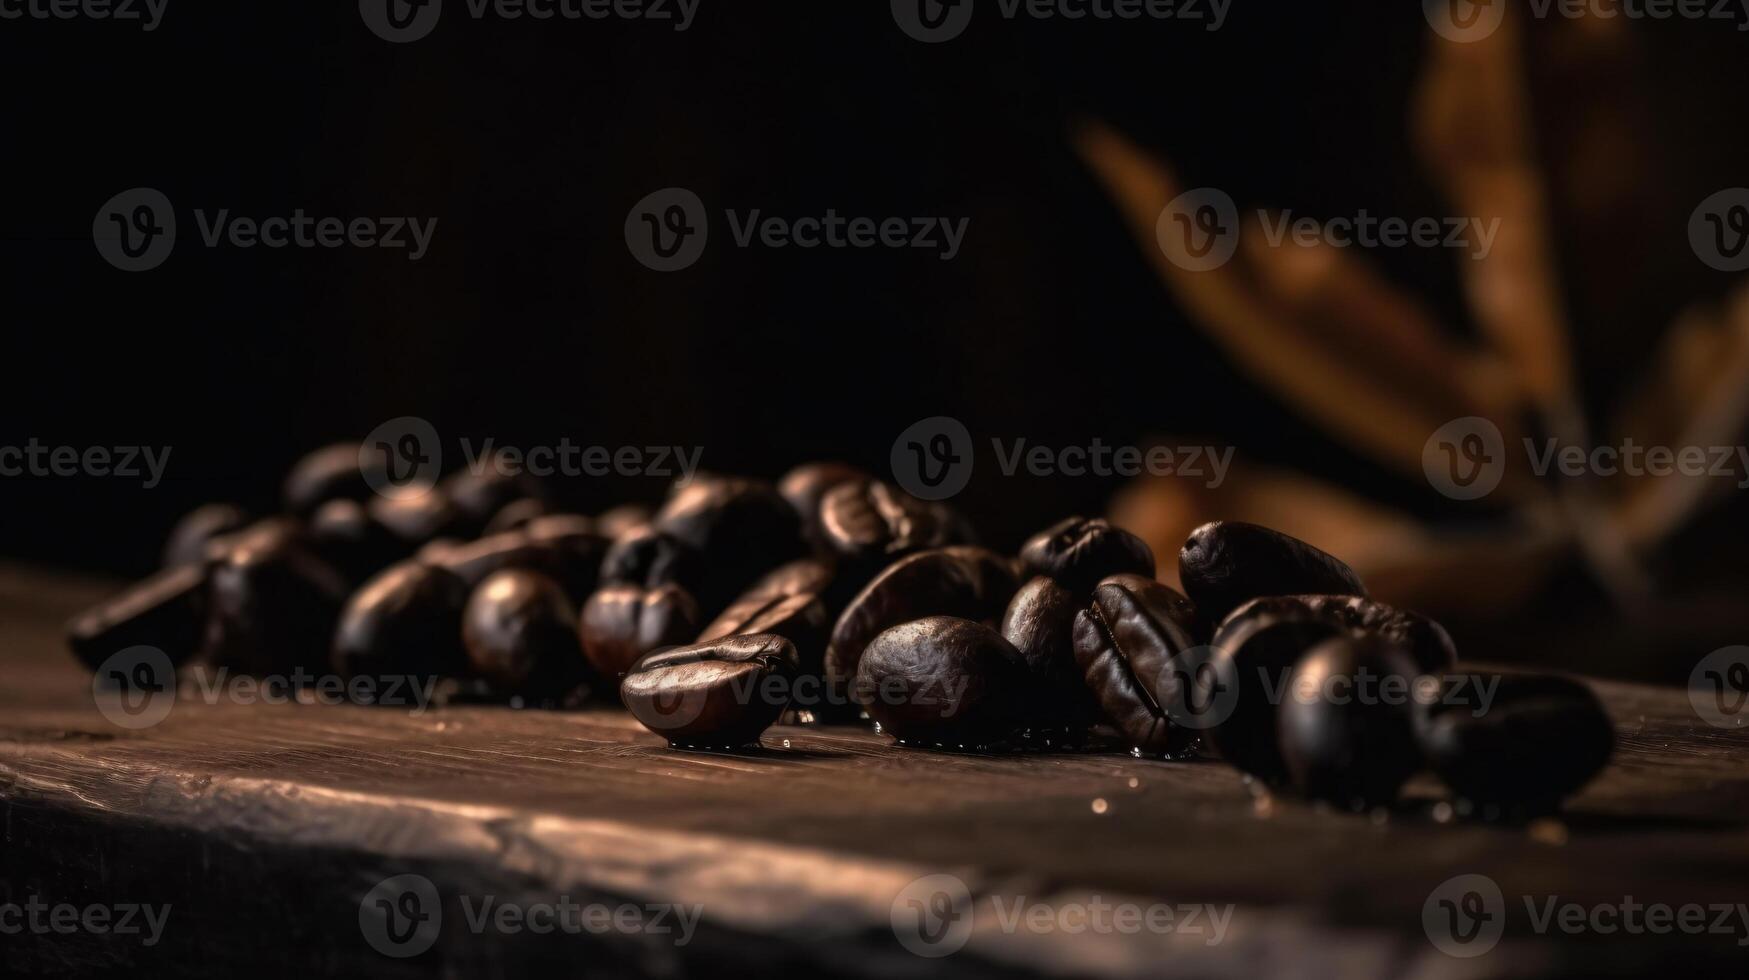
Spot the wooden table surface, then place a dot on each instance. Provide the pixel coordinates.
(265, 828)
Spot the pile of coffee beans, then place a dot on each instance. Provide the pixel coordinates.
(833, 597)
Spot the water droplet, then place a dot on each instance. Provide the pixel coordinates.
(1442, 812)
(1100, 806)
(1137, 751)
(1134, 782)
(786, 743)
(516, 702)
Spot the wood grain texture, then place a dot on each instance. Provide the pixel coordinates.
(264, 827)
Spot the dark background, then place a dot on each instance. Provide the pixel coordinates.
(529, 322)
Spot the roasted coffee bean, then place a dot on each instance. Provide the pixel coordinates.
(1345, 725)
(166, 611)
(1224, 564)
(419, 519)
(615, 522)
(343, 533)
(806, 485)
(339, 472)
(743, 529)
(188, 540)
(1040, 624)
(518, 513)
(1518, 742)
(1130, 646)
(487, 486)
(1258, 645)
(719, 694)
(647, 557)
(557, 548)
(867, 520)
(967, 582)
(944, 682)
(273, 604)
(1078, 552)
(472, 561)
(402, 630)
(520, 631)
(621, 623)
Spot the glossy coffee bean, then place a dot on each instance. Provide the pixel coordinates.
(485, 487)
(621, 623)
(419, 519)
(343, 533)
(646, 557)
(332, 473)
(867, 520)
(1078, 553)
(520, 631)
(965, 582)
(574, 552)
(1040, 623)
(806, 485)
(1518, 742)
(616, 521)
(1129, 644)
(719, 694)
(514, 515)
(1425, 640)
(785, 602)
(1345, 724)
(1225, 564)
(190, 537)
(743, 529)
(166, 611)
(944, 682)
(272, 604)
(403, 627)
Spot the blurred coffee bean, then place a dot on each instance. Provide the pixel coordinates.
(743, 528)
(166, 611)
(1225, 564)
(402, 630)
(518, 513)
(806, 485)
(1040, 624)
(1520, 742)
(343, 533)
(616, 521)
(570, 556)
(418, 519)
(487, 485)
(647, 557)
(719, 694)
(520, 631)
(272, 604)
(1345, 725)
(333, 473)
(1425, 640)
(944, 682)
(867, 520)
(621, 623)
(956, 528)
(1078, 552)
(965, 582)
(575, 551)
(1128, 645)
(188, 540)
